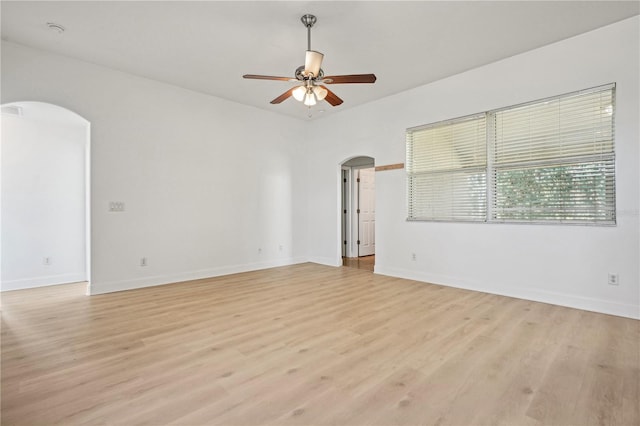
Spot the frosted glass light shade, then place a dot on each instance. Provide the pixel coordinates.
(320, 92)
(312, 62)
(310, 99)
(299, 92)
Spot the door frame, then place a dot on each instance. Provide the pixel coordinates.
(348, 223)
(345, 210)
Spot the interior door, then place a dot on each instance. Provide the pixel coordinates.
(367, 212)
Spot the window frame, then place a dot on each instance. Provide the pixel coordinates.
(451, 171)
(556, 161)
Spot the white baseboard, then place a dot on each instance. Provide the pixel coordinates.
(33, 282)
(113, 286)
(627, 310)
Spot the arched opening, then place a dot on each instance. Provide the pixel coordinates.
(357, 212)
(45, 196)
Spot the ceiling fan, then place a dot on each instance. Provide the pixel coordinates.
(311, 77)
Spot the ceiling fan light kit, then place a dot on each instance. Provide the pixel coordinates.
(311, 76)
(309, 95)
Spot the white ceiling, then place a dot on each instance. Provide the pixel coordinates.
(207, 46)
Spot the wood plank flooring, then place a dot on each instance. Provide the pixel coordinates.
(312, 345)
(366, 262)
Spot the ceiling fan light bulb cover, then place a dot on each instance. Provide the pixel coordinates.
(320, 92)
(299, 92)
(310, 99)
(312, 62)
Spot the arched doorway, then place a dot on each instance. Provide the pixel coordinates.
(357, 212)
(45, 196)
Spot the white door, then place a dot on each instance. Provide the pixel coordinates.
(367, 212)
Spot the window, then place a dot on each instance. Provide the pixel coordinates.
(549, 161)
(447, 166)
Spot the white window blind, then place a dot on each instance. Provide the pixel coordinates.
(553, 160)
(548, 161)
(446, 166)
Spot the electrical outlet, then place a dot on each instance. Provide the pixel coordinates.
(413, 257)
(259, 251)
(46, 261)
(116, 206)
(143, 261)
(280, 247)
(613, 279)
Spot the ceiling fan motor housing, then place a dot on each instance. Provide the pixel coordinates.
(300, 75)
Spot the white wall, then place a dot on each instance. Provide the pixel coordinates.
(43, 197)
(566, 265)
(206, 182)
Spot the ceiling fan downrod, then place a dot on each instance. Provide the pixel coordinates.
(313, 59)
(308, 20)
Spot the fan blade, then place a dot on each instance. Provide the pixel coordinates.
(353, 78)
(286, 95)
(266, 77)
(332, 98)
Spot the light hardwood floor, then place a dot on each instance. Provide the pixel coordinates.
(367, 262)
(312, 345)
